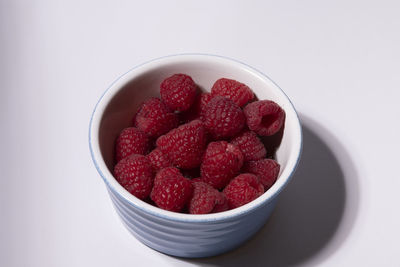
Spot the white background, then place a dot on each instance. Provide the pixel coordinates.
(338, 61)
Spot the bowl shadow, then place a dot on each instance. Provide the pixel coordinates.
(309, 212)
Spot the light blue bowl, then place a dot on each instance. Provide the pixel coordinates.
(177, 234)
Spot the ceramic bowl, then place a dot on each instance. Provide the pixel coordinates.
(177, 234)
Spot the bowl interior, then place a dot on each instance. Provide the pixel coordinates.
(121, 101)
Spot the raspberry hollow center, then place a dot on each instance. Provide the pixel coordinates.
(268, 120)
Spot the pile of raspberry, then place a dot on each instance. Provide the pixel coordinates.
(197, 152)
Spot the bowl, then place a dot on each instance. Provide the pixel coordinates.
(187, 235)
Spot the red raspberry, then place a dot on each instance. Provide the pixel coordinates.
(250, 145)
(204, 99)
(158, 159)
(178, 91)
(171, 190)
(131, 141)
(243, 189)
(222, 204)
(167, 172)
(265, 117)
(197, 179)
(135, 175)
(267, 171)
(205, 199)
(223, 118)
(184, 145)
(221, 162)
(155, 118)
(234, 90)
(197, 109)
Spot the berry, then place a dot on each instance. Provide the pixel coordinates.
(221, 162)
(204, 99)
(205, 199)
(184, 145)
(223, 118)
(171, 190)
(221, 205)
(250, 145)
(167, 172)
(178, 91)
(267, 171)
(243, 189)
(234, 90)
(134, 173)
(131, 141)
(197, 179)
(158, 159)
(265, 117)
(197, 109)
(155, 118)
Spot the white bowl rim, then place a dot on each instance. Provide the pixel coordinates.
(109, 179)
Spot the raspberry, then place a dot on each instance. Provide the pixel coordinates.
(223, 118)
(267, 171)
(135, 175)
(265, 117)
(221, 162)
(234, 90)
(204, 99)
(167, 172)
(184, 145)
(197, 179)
(205, 199)
(250, 145)
(131, 141)
(155, 118)
(178, 91)
(158, 159)
(171, 190)
(221, 205)
(243, 189)
(197, 109)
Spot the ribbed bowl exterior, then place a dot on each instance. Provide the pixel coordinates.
(190, 239)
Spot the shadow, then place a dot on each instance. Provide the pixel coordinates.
(314, 213)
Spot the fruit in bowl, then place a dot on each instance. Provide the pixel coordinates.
(208, 147)
(218, 140)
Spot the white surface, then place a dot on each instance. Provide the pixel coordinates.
(338, 61)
